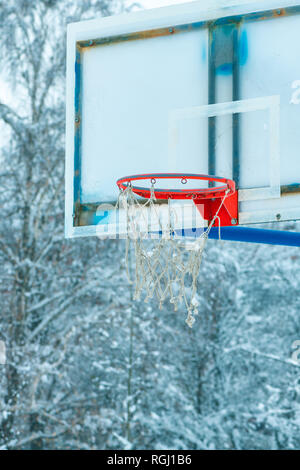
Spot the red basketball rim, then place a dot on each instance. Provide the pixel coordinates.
(206, 193)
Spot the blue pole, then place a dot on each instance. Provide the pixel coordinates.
(256, 235)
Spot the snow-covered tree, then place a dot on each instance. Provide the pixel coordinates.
(43, 276)
(87, 367)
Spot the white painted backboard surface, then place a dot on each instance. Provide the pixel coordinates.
(129, 91)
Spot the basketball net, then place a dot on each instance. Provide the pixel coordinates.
(166, 267)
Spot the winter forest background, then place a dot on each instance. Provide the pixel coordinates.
(86, 367)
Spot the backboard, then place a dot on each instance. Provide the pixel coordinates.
(189, 88)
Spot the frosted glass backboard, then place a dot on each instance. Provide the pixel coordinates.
(188, 88)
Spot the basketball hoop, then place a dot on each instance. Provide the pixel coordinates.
(162, 268)
(203, 193)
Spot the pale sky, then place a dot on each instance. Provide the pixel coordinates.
(161, 3)
(206, 3)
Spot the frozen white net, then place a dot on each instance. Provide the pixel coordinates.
(166, 266)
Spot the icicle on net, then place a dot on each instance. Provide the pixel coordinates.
(165, 267)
